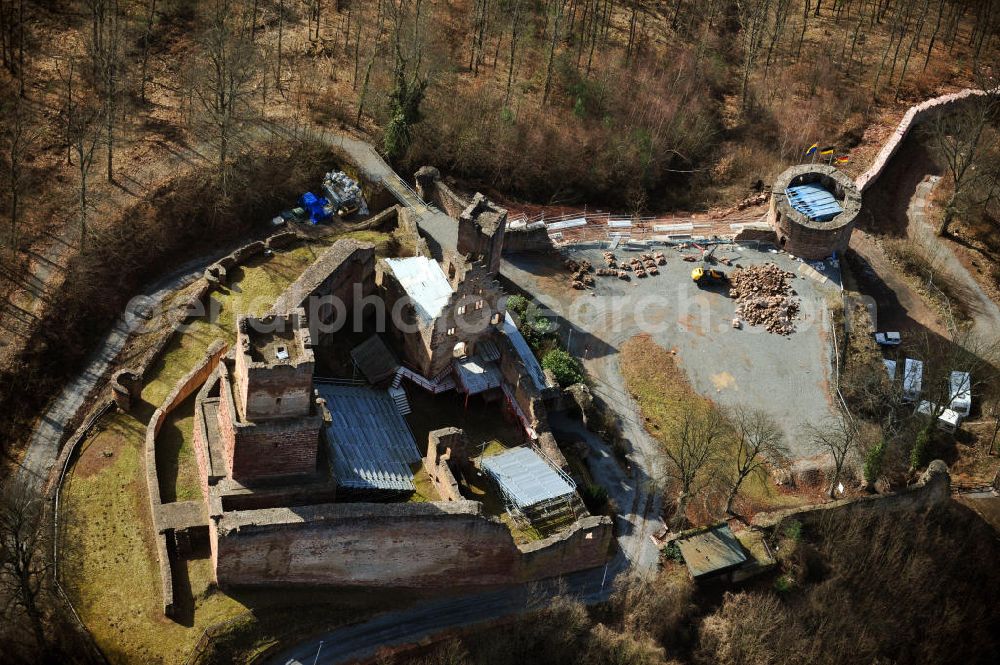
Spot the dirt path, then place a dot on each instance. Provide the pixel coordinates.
(985, 313)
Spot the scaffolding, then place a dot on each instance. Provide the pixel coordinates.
(534, 490)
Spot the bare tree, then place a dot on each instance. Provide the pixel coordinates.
(225, 87)
(956, 138)
(84, 137)
(19, 139)
(692, 444)
(24, 560)
(838, 435)
(760, 442)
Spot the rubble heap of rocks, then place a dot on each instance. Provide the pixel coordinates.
(763, 297)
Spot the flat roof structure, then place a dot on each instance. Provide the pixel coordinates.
(424, 282)
(375, 360)
(477, 375)
(711, 551)
(526, 478)
(524, 352)
(371, 445)
(814, 201)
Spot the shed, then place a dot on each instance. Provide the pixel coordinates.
(711, 551)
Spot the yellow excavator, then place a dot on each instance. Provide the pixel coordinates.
(705, 276)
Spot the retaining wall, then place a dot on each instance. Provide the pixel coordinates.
(933, 488)
(182, 390)
(410, 545)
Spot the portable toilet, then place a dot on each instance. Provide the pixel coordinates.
(960, 389)
(913, 377)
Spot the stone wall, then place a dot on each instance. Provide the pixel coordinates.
(445, 446)
(527, 239)
(912, 118)
(181, 391)
(346, 271)
(432, 189)
(933, 488)
(408, 545)
(269, 448)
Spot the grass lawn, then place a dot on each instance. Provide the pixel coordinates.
(109, 563)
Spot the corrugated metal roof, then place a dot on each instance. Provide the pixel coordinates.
(374, 359)
(488, 350)
(814, 201)
(477, 375)
(526, 477)
(423, 280)
(524, 352)
(711, 550)
(370, 443)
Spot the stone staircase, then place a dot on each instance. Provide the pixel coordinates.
(398, 394)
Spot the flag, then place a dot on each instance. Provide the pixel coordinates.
(842, 159)
(829, 150)
(812, 149)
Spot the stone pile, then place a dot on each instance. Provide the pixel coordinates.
(764, 298)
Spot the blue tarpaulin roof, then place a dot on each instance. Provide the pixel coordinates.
(814, 201)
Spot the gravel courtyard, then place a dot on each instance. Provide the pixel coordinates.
(788, 375)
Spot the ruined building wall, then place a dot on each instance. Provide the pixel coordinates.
(481, 229)
(432, 189)
(933, 489)
(270, 448)
(345, 272)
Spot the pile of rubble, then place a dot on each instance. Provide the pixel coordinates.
(643, 265)
(763, 297)
(581, 278)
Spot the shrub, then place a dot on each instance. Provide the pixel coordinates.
(673, 552)
(873, 462)
(793, 530)
(594, 497)
(565, 367)
(921, 448)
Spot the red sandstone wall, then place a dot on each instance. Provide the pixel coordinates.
(396, 545)
(267, 450)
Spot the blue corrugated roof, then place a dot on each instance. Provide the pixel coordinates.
(370, 443)
(526, 477)
(814, 201)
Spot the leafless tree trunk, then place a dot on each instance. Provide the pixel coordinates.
(146, 36)
(515, 24)
(759, 443)
(839, 437)
(19, 142)
(24, 560)
(560, 5)
(956, 138)
(692, 445)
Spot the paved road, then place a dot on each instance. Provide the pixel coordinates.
(46, 439)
